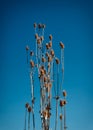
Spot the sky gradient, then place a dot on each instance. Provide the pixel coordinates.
(68, 21)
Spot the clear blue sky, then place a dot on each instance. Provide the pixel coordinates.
(69, 21)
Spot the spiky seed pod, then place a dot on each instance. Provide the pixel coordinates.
(27, 48)
(32, 63)
(47, 46)
(64, 93)
(42, 69)
(52, 53)
(26, 105)
(61, 45)
(62, 103)
(39, 41)
(42, 38)
(65, 102)
(29, 109)
(57, 61)
(36, 36)
(39, 25)
(43, 59)
(35, 25)
(60, 116)
(50, 44)
(49, 58)
(50, 37)
(42, 72)
(43, 25)
(31, 53)
(46, 114)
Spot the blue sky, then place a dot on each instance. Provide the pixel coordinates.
(67, 20)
